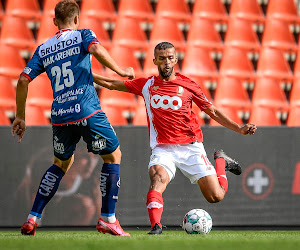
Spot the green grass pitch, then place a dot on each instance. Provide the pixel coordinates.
(171, 240)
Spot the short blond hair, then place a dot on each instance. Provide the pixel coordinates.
(66, 10)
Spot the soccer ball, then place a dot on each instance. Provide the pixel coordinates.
(197, 221)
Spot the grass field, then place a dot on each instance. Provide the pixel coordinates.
(241, 240)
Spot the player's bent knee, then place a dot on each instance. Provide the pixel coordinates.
(114, 157)
(214, 197)
(64, 165)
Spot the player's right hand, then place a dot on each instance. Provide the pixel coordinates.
(18, 127)
(129, 72)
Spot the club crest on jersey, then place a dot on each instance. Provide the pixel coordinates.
(180, 91)
(155, 87)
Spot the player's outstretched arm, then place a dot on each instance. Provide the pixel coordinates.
(224, 120)
(104, 58)
(18, 126)
(109, 83)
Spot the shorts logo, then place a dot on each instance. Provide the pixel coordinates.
(166, 102)
(99, 143)
(58, 147)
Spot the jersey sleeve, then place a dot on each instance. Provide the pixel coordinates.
(135, 86)
(199, 97)
(88, 38)
(34, 67)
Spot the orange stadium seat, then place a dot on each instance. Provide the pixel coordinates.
(178, 10)
(241, 34)
(1, 11)
(248, 10)
(7, 94)
(293, 119)
(35, 116)
(115, 115)
(235, 63)
(125, 58)
(136, 40)
(140, 116)
(208, 38)
(103, 10)
(11, 63)
(272, 64)
(48, 8)
(95, 25)
(295, 93)
(28, 9)
(297, 65)
(210, 9)
(20, 36)
(277, 35)
(149, 67)
(40, 92)
(47, 29)
(267, 92)
(284, 10)
(138, 9)
(4, 120)
(231, 93)
(264, 116)
(231, 112)
(165, 29)
(198, 63)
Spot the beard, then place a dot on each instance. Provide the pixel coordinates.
(166, 74)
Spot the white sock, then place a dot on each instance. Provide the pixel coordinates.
(36, 219)
(109, 219)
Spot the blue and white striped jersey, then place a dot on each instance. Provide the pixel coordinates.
(67, 62)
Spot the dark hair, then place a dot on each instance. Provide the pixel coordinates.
(66, 10)
(163, 46)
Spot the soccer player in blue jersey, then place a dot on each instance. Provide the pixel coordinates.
(76, 113)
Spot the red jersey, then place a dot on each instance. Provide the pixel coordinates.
(169, 108)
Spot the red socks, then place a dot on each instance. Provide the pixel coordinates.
(155, 207)
(220, 169)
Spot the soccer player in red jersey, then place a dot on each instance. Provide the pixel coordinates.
(175, 134)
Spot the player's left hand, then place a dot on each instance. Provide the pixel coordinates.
(18, 127)
(248, 129)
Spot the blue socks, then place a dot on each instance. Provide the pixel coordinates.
(47, 188)
(109, 185)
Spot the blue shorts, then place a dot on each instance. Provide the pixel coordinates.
(96, 131)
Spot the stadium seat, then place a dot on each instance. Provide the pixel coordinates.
(178, 10)
(210, 9)
(4, 120)
(283, 10)
(272, 64)
(165, 29)
(231, 112)
(1, 11)
(140, 116)
(267, 92)
(40, 93)
(34, 116)
(198, 63)
(138, 9)
(115, 115)
(97, 67)
(136, 40)
(235, 63)
(282, 39)
(208, 38)
(295, 93)
(28, 9)
(230, 92)
(47, 29)
(293, 119)
(7, 94)
(149, 67)
(264, 116)
(297, 65)
(87, 22)
(20, 36)
(103, 10)
(240, 34)
(125, 58)
(247, 10)
(48, 8)
(11, 63)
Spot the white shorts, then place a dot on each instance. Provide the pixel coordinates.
(191, 159)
